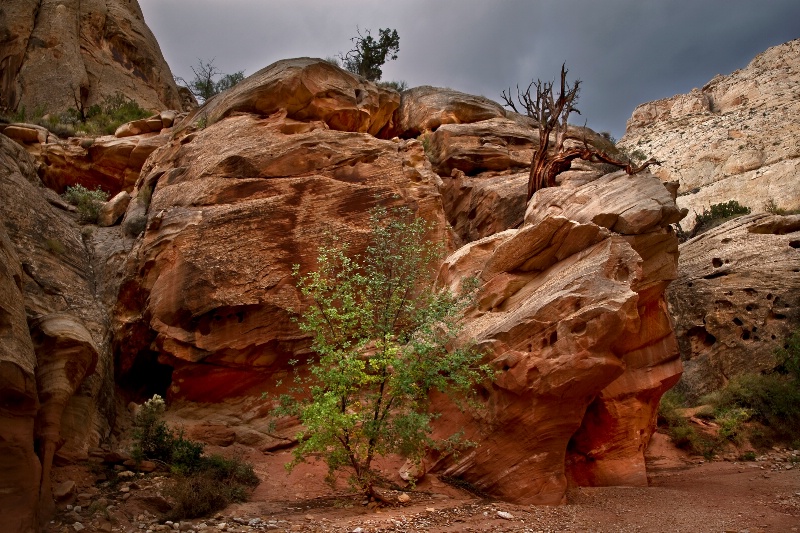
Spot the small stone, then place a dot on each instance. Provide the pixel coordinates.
(358, 530)
(77, 526)
(64, 490)
(430, 509)
(77, 508)
(404, 498)
(504, 515)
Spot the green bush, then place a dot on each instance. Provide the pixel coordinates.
(383, 335)
(771, 399)
(88, 202)
(203, 484)
(716, 214)
(114, 111)
(683, 434)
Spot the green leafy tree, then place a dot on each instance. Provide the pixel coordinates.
(369, 54)
(209, 80)
(383, 337)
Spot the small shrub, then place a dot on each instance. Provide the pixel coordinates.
(185, 455)
(54, 245)
(398, 86)
(233, 469)
(202, 484)
(683, 434)
(427, 144)
(88, 202)
(152, 438)
(215, 483)
(789, 356)
(198, 495)
(716, 214)
(731, 422)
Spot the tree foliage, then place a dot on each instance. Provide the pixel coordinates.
(369, 54)
(209, 80)
(382, 335)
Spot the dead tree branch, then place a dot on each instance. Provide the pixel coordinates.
(550, 110)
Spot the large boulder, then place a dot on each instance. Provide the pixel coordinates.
(737, 298)
(63, 54)
(208, 291)
(308, 89)
(736, 138)
(426, 108)
(572, 317)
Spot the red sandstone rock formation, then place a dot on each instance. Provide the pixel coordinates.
(572, 315)
(20, 470)
(54, 291)
(109, 162)
(573, 319)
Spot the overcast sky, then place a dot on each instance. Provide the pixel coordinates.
(626, 52)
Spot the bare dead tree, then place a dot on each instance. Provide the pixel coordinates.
(551, 112)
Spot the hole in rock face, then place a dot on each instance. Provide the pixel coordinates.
(622, 273)
(769, 296)
(745, 335)
(737, 321)
(699, 335)
(749, 307)
(717, 262)
(579, 328)
(553, 337)
(795, 243)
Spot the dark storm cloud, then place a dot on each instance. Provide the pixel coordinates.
(626, 52)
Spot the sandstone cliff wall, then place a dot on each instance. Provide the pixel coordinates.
(55, 365)
(737, 138)
(56, 53)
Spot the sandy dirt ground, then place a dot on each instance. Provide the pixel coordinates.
(686, 494)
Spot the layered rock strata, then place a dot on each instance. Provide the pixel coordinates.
(60, 382)
(110, 162)
(737, 299)
(573, 318)
(734, 139)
